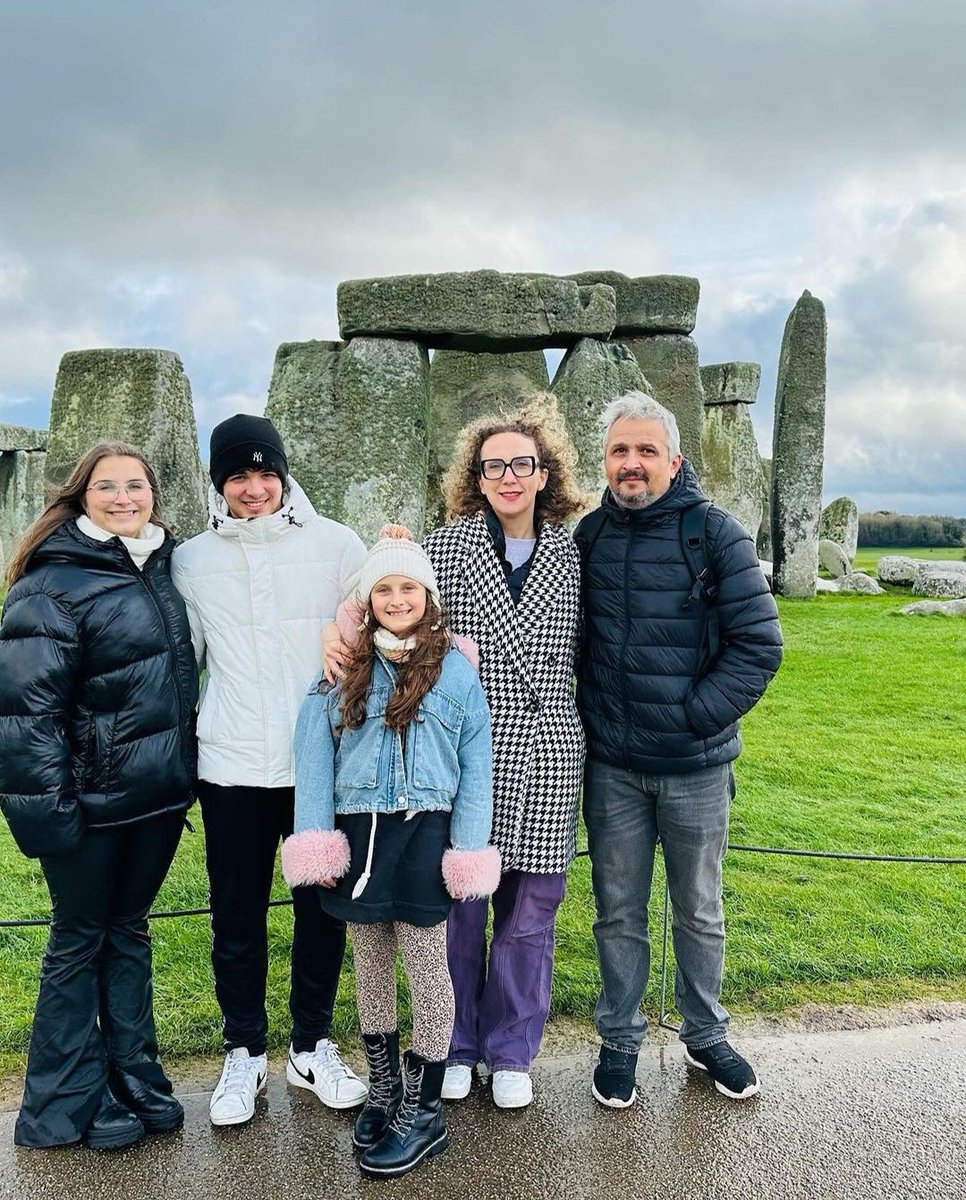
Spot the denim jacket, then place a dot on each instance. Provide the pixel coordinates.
(444, 762)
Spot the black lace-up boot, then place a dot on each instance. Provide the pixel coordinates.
(385, 1088)
(418, 1129)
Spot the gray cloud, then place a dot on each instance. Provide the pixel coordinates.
(200, 177)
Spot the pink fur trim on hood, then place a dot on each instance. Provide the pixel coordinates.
(313, 855)
(472, 874)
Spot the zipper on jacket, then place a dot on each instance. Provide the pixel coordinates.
(631, 530)
(172, 650)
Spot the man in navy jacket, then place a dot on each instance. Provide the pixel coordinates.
(663, 683)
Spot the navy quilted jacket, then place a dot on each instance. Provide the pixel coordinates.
(649, 699)
(98, 686)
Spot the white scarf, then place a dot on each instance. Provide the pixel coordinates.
(390, 645)
(140, 548)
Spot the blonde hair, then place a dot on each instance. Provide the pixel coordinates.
(540, 420)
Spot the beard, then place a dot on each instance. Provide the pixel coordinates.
(638, 500)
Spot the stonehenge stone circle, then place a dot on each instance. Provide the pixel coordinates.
(670, 362)
(858, 582)
(839, 522)
(733, 475)
(591, 374)
(476, 310)
(353, 417)
(798, 449)
(137, 396)
(649, 303)
(464, 386)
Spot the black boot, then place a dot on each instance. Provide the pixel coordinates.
(385, 1088)
(113, 1126)
(418, 1130)
(153, 1105)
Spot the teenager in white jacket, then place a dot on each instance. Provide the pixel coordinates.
(259, 584)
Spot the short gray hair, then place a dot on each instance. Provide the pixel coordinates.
(638, 407)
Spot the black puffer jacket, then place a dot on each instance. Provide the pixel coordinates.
(98, 686)
(649, 699)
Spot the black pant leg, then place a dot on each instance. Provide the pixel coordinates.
(67, 1061)
(241, 840)
(145, 853)
(318, 948)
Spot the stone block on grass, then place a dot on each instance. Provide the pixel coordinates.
(733, 475)
(839, 522)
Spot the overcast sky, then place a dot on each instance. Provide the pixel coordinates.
(199, 175)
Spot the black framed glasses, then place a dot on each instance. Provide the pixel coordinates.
(522, 466)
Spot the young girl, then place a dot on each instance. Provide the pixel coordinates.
(393, 805)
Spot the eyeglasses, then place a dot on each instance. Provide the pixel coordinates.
(107, 489)
(495, 468)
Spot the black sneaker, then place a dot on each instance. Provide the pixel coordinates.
(733, 1075)
(614, 1083)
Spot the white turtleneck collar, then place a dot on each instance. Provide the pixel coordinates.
(140, 548)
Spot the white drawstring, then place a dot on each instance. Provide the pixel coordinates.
(363, 879)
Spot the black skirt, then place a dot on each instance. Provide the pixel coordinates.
(406, 876)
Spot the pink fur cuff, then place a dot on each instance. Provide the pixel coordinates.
(471, 874)
(313, 855)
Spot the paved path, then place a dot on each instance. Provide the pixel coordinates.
(845, 1116)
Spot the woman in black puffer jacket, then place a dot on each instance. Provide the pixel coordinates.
(98, 687)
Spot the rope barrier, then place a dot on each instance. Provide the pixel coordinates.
(835, 854)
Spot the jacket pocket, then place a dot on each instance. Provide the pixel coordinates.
(435, 734)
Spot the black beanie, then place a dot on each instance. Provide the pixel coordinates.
(245, 443)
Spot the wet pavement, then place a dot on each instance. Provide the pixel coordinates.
(873, 1113)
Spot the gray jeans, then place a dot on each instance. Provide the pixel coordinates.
(625, 813)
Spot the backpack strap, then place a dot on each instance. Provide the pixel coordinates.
(590, 530)
(694, 544)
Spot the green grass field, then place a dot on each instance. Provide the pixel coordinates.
(858, 746)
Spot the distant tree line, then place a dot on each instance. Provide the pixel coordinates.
(895, 529)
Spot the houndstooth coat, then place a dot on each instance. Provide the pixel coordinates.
(526, 668)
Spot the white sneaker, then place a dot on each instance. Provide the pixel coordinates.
(457, 1082)
(512, 1089)
(322, 1071)
(242, 1078)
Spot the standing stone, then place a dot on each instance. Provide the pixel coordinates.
(840, 523)
(464, 386)
(142, 397)
(592, 374)
(476, 310)
(763, 541)
(649, 303)
(353, 417)
(23, 454)
(798, 449)
(302, 406)
(733, 474)
(670, 362)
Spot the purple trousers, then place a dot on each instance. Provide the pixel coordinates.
(502, 1005)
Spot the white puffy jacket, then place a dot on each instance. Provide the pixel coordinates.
(259, 592)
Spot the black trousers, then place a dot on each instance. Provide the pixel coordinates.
(243, 828)
(95, 1005)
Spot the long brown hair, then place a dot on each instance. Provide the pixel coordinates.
(541, 421)
(417, 673)
(66, 503)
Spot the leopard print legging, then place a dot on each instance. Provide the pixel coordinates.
(424, 957)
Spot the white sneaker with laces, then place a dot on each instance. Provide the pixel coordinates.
(242, 1078)
(457, 1082)
(322, 1071)
(512, 1089)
